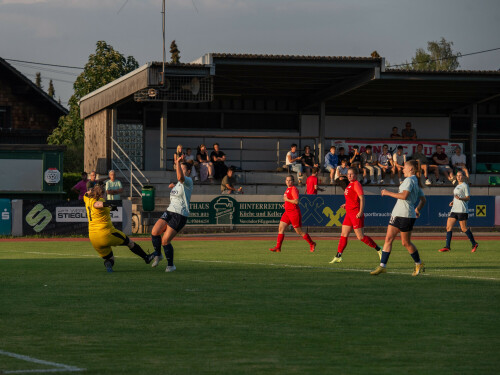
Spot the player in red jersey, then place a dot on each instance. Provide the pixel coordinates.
(292, 216)
(354, 216)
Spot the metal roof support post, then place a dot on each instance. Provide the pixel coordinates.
(163, 137)
(322, 125)
(473, 138)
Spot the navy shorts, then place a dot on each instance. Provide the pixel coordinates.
(174, 220)
(460, 216)
(404, 224)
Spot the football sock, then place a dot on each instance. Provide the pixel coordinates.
(169, 254)
(448, 239)
(339, 255)
(385, 258)
(416, 257)
(342, 245)
(308, 238)
(156, 240)
(281, 237)
(369, 241)
(137, 250)
(471, 237)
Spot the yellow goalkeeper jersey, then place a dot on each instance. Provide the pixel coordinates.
(99, 218)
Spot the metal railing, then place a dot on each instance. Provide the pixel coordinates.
(129, 165)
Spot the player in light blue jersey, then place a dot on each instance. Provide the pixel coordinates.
(403, 216)
(175, 217)
(459, 212)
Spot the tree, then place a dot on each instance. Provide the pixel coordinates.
(51, 91)
(439, 57)
(38, 80)
(375, 54)
(176, 57)
(103, 67)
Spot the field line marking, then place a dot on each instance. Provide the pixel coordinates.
(60, 367)
(335, 269)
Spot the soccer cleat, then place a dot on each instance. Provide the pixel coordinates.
(443, 250)
(336, 260)
(428, 182)
(109, 266)
(474, 248)
(276, 249)
(419, 268)
(379, 252)
(149, 258)
(378, 270)
(170, 268)
(157, 259)
(312, 247)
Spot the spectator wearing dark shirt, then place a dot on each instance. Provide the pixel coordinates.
(423, 163)
(206, 166)
(227, 184)
(408, 132)
(331, 163)
(369, 162)
(355, 158)
(312, 182)
(308, 160)
(443, 163)
(342, 155)
(218, 158)
(395, 134)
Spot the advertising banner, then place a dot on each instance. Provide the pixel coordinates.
(325, 211)
(6, 217)
(409, 146)
(59, 217)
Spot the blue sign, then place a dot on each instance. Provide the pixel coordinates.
(6, 217)
(325, 211)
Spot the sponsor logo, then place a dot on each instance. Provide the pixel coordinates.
(52, 176)
(79, 215)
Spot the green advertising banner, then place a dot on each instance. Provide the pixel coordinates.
(225, 210)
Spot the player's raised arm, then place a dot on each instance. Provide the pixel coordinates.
(178, 168)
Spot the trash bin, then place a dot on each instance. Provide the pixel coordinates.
(148, 198)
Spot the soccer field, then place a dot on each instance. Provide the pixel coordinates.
(233, 307)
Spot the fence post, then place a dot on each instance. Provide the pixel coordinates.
(241, 153)
(278, 152)
(131, 182)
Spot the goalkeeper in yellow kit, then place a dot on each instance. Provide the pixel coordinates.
(102, 234)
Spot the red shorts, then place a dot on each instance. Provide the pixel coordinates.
(351, 220)
(292, 217)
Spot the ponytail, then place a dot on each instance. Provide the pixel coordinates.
(418, 172)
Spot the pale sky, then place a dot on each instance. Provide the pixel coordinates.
(65, 31)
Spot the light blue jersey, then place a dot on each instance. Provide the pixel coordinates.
(462, 191)
(406, 208)
(180, 196)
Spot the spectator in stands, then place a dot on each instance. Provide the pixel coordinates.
(308, 160)
(81, 186)
(395, 134)
(312, 182)
(178, 154)
(206, 166)
(331, 163)
(385, 163)
(217, 157)
(190, 159)
(423, 164)
(113, 187)
(408, 132)
(355, 158)
(342, 155)
(341, 174)
(92, 181)
(293, 162)
(399, 160)
(369, 163)
(458, 161)
(227, 184)
(443, 163)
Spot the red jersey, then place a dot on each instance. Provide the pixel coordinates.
(352, 193)
(311, 182)
(292, 193)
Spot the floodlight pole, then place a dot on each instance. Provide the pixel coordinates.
(163, 121)
(164, 54)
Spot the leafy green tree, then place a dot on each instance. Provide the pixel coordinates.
(103, 67)
(51, 91)
(439, 57)
(375, 54)
(176, 57)
(38, 80)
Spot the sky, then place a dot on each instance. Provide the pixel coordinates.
(65, 32)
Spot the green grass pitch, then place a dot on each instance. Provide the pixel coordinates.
(233, 307)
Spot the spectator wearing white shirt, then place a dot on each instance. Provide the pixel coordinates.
(399, 160)
(458, 161)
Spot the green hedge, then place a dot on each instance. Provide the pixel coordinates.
(70, 180)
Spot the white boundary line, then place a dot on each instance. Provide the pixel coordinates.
(59, 367)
